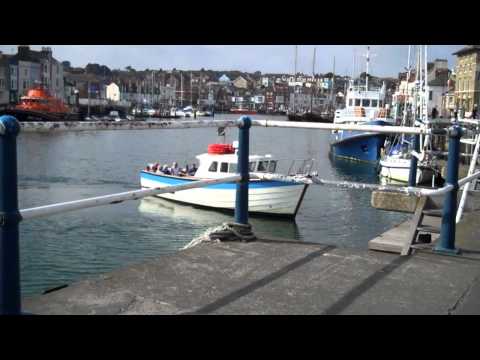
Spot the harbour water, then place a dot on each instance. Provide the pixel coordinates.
(66, 166)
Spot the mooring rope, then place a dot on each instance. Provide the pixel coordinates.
(228, 231)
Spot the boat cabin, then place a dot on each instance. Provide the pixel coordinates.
(362, 105)
(218, 164)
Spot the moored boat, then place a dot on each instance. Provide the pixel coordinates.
(39, 105)
(267, 197)
(364, 106)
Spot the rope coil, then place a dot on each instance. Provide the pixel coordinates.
(228, 231)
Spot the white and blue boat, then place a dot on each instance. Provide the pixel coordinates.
(363, 106)
(266, 197)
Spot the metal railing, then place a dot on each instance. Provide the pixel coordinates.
(10, 216)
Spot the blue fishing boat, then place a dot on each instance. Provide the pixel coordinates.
(364, 106)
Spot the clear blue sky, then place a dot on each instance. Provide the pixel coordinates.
(388, 60)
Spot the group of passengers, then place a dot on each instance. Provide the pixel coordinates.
(172, 170)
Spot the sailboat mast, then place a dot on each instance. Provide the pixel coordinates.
(426, 85)
(408, 79)
(295, 85)
(333, 83)
(181, 89)
(313, 81)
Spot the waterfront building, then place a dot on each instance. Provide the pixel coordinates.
(4, 80)
(113, 92)
(448, 98)
(240, 83)
(467, 84)
(303, 101)
(28, 68)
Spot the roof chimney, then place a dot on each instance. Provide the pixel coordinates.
(23, 51)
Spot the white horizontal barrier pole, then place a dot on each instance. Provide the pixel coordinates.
(388, 188)
(117, 198)
(468, 178)
(326, 126)
(356, 185)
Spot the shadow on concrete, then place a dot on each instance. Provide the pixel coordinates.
(261, 282)
(365, 285)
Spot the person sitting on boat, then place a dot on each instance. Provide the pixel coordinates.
(174, 169)
(155, 167)
(165, 169)
(192, 170)
(184, 171)
(147, 168)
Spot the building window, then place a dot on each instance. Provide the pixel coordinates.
(26, 72)
(430, 95)
(13, 84)
(374, 103)
(2, 84)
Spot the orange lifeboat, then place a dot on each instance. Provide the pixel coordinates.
(221, 149)
(38, 99)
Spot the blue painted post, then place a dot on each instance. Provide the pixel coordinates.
(446, 243)
(412, 176)
(241, 200)
(9, 218)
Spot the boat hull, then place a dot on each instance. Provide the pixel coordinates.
(358, 145)
(399, 170)
(274, 198)
(309, 117)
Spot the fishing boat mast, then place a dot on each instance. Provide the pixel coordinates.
(368, 63)
(313, 81)
(333, 85)
(295, 85)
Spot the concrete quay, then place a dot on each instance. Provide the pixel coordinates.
(275, 276)
(61, 126)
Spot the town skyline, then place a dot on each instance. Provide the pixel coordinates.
(386, 60)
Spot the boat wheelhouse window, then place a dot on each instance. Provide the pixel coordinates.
(262, 166)
(357, 102)
(224, 167)
(350, 102)
(365, 102)
(272, 166)
(213, 167)
(232, 168)
(251, 166)
(374, 103)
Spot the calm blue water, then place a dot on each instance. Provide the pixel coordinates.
(67, 166)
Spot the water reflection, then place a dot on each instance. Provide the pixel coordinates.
(354, 170)
(154, 207)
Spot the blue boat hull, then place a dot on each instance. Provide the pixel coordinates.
(358, 145)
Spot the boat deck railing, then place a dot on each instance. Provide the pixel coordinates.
(10, 215)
